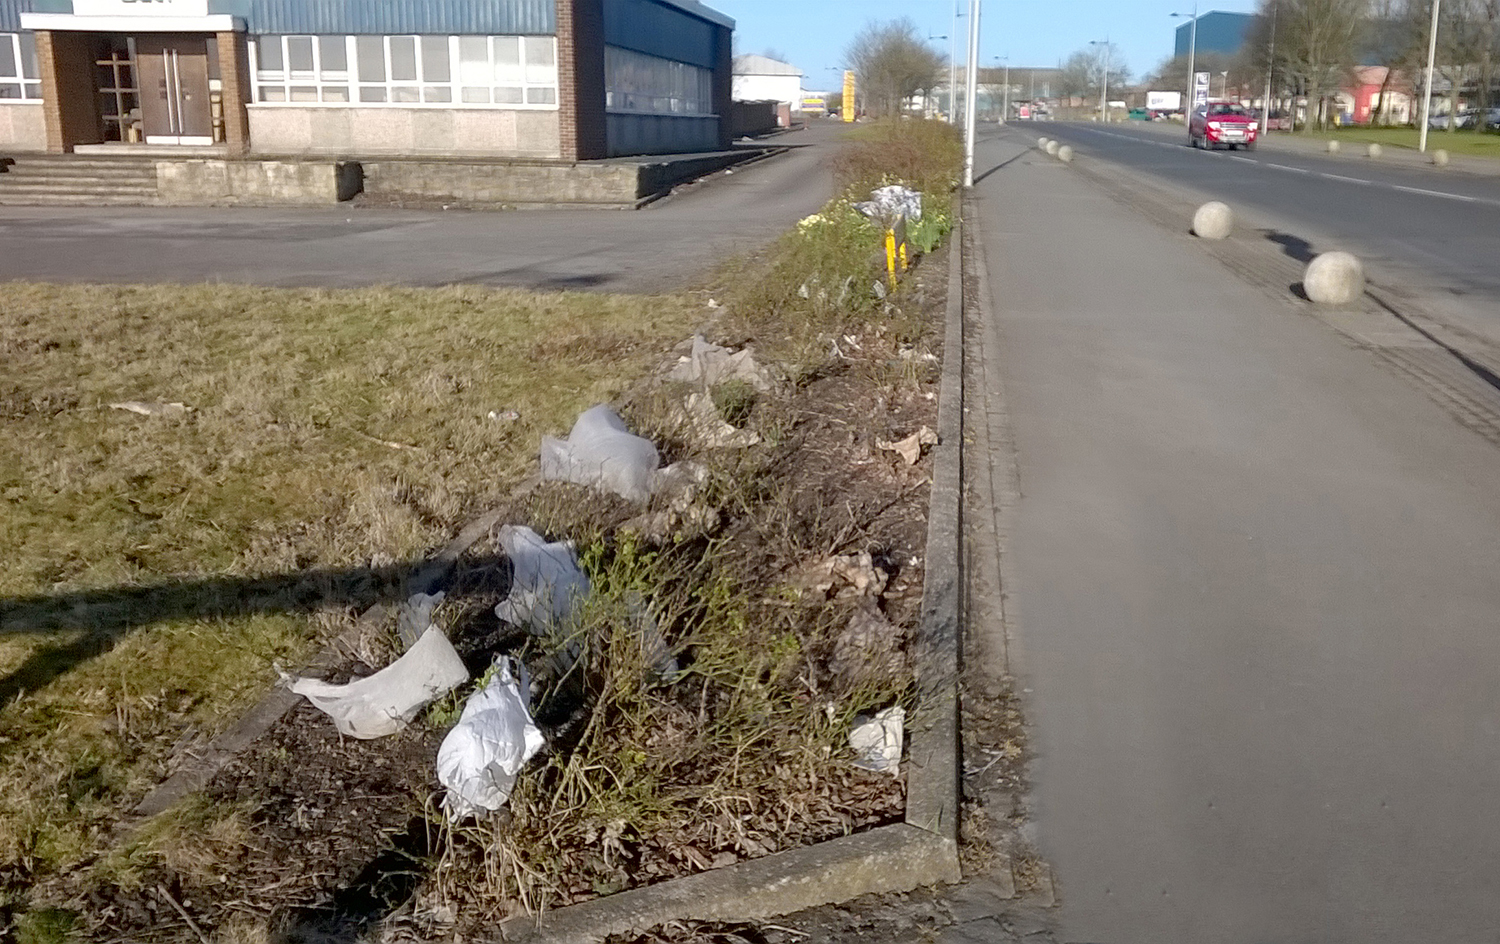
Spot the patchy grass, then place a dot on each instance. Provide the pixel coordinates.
(156, 566)
(1462, 141)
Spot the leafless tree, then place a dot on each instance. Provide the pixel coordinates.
(893, 64)
(1318, 45)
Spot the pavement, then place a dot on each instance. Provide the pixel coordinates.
(661, 248)
(1249, 594)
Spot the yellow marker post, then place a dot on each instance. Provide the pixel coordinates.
(849, 90)
(890, 256)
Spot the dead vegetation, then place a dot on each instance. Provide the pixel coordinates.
(359, 434)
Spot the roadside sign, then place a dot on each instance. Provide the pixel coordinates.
(848, 107)
(1200, 89)
(814, 105)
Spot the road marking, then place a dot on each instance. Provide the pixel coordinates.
(1245, 160)
(1348, 180)
(1295, 170)
(1439, 193)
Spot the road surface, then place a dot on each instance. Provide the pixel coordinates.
(1424, 228)
(1250, 576)
(660, 248)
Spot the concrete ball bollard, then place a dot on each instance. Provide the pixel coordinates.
(1042, 143)
(1052, 148)
(1065, 154)
(1333, 147)
(1440, 158)
(1334, 278)
(1213, 220)
(1375, 151)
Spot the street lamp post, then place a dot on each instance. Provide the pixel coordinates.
(1005, 108)
(973, 93)
(1192, 58)
(953, 66)
(1104, 82)
(1265, 102)
(931, 37)
(1427, 83)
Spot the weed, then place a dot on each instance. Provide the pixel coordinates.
(734, 400)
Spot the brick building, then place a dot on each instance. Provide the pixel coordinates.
(548, 79)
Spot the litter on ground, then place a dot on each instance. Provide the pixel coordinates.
(710, 365)
(910, 448)
(547, 585)
(876, 739)
(494, 738)
(385, 702)
(601, 452)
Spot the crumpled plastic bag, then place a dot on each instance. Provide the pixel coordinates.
(494, 738)
(889, 204)
(877, 740)
(385, 702)
(602, 453)
(546, 586)
(710, 365)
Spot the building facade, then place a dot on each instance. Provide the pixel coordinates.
(546, 79)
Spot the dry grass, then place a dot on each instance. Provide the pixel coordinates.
(327, 430)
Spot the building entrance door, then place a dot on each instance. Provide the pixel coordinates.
(173, 76)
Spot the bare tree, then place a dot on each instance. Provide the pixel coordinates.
(893, 64)
(1318, 44)
(1082, 75)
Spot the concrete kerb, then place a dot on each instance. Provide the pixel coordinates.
(923, 850)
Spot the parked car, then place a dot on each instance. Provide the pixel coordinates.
(1441, 122)
(1223, 124)
(1492, 118)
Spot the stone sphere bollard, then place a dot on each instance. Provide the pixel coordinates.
(1334, 278)
(1052, 147)
(1375, 151)
(1213, 221)
(1440, 157)
(1042, 143)
(1333, 147)
(1065, 154)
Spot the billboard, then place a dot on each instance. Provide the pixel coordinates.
(1164, 101)
(814, 105)
(849, 90)
(1200, 89)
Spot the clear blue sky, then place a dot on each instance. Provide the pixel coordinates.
(814, 33)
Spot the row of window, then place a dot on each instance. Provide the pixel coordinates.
(407, 70)
(637, 82)
(431, 70)
(19, 77)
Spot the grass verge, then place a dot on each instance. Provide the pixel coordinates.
(164, 562)
(1462, 141)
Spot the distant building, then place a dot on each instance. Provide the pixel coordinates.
(1217, 32)
(553, 79)
(762, 79)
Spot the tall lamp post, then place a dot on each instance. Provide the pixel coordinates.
(1265, 103)
(953, 66)
(931, 37)
(1104, 84)
(1192, 58)
(973, 93)
(1427, 83)
(1005, 108)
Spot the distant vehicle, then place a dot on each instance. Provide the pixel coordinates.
(1139, 114)
(1492, 118)
(1442, 122)
(1223, 124)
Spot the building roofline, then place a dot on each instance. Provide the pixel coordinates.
(694, 8)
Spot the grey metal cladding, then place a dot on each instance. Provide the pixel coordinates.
(11, 10)
(397, 17)
(658, 29)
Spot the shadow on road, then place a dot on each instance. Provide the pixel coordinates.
(1294, 246)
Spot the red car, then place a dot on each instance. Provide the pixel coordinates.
(1223, 124)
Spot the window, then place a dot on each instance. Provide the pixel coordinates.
(20, 80)
(636, 82)
(407, 70)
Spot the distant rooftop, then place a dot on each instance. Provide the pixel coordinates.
(763, 65)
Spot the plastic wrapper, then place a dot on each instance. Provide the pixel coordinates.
(385, 702)
(494, 738)
(602, 453)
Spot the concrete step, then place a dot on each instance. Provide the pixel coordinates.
(74, 199)
(41, 185)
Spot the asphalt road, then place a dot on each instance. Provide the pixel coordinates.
(1431, 230)
(663, 247)
(1251, 585)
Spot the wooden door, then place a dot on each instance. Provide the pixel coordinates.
(173, 75)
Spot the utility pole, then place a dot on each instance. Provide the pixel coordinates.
(953, 67)
(1427, 83)
(1192, 62)
(973, 93)
(1104, 82)
(1265, 102)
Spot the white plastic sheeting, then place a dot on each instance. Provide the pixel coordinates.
(876, 740)
(602, 453)
(547, 585)
(889, 204)
(385, 702)
(494, 738)
(710, 364)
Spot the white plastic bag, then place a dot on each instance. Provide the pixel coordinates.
(877, 740)
(546, 586)
(494, 738)
(385, 702)
(602, 453)
(889, 204)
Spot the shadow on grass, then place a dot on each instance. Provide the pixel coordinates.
(98, 619)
